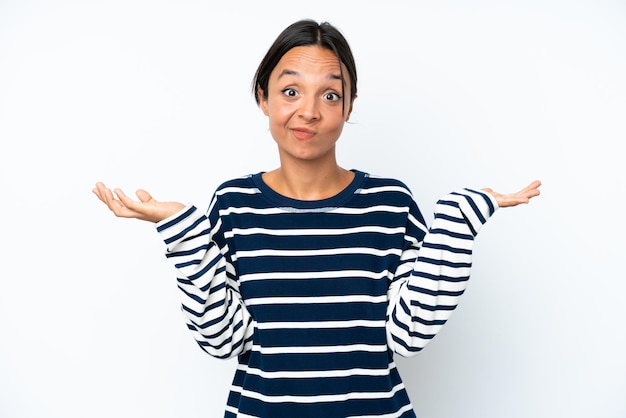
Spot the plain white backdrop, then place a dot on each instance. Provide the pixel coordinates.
(156, 94)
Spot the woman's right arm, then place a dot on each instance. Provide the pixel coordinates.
(214, 311)
(211, 302)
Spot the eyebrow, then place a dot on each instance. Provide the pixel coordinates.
(297, 74)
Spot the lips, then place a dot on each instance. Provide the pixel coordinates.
(302, 133)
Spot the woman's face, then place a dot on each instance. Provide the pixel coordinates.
(304, 104)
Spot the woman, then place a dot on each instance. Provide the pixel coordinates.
(314, 275)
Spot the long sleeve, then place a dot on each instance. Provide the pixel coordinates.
(421, 300)
(211, 302)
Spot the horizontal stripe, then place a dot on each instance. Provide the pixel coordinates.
(309, 374)
(316, 300)
(396, 414)
(383, 189)
(321, 349)
(313, 253)
(323, 398)
(320, 325)
(315, 275)
(245, 190)
(248, 210)
(301, 232)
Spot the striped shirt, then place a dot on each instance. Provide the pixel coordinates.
(315, 297)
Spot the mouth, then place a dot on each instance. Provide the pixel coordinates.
(302, 133)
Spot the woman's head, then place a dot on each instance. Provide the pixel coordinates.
(305, 33)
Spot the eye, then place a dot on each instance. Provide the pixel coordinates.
(290, 92)
(332, 97)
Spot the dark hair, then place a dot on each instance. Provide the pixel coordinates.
(305, 32)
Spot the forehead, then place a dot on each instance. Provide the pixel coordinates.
(307, 59)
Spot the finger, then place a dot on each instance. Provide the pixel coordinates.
(134, 209)
(125, 200)
(116, 206)
(115, 203)
(98, 190)
(97, 193)
(105, 194)
(527, 192)
(532, 186)
(532, 189)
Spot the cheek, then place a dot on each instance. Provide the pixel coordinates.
(338, 120)
(278, 113)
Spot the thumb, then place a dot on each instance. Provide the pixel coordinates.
(143, 195)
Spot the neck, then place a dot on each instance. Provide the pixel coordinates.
(308, 181)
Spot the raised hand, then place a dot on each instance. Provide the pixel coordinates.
(514, 199)
(146, 209)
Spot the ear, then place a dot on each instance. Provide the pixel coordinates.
(349, 112)
(263, 101)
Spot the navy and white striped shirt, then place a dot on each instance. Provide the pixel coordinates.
(315, 297)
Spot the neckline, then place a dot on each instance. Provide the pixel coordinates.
(331, 202)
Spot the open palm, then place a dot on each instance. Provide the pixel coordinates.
(146, 209)
(513, 199)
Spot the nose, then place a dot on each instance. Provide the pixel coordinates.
(309, 109)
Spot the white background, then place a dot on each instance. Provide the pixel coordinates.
(156, 94)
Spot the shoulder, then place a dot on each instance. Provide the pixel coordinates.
(243, 184)
(378, 190)
(391, 191)
(375, 183)
(240, 191)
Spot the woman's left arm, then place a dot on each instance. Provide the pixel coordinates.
(421, 303)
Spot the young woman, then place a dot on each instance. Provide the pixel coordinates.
(314, 275)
